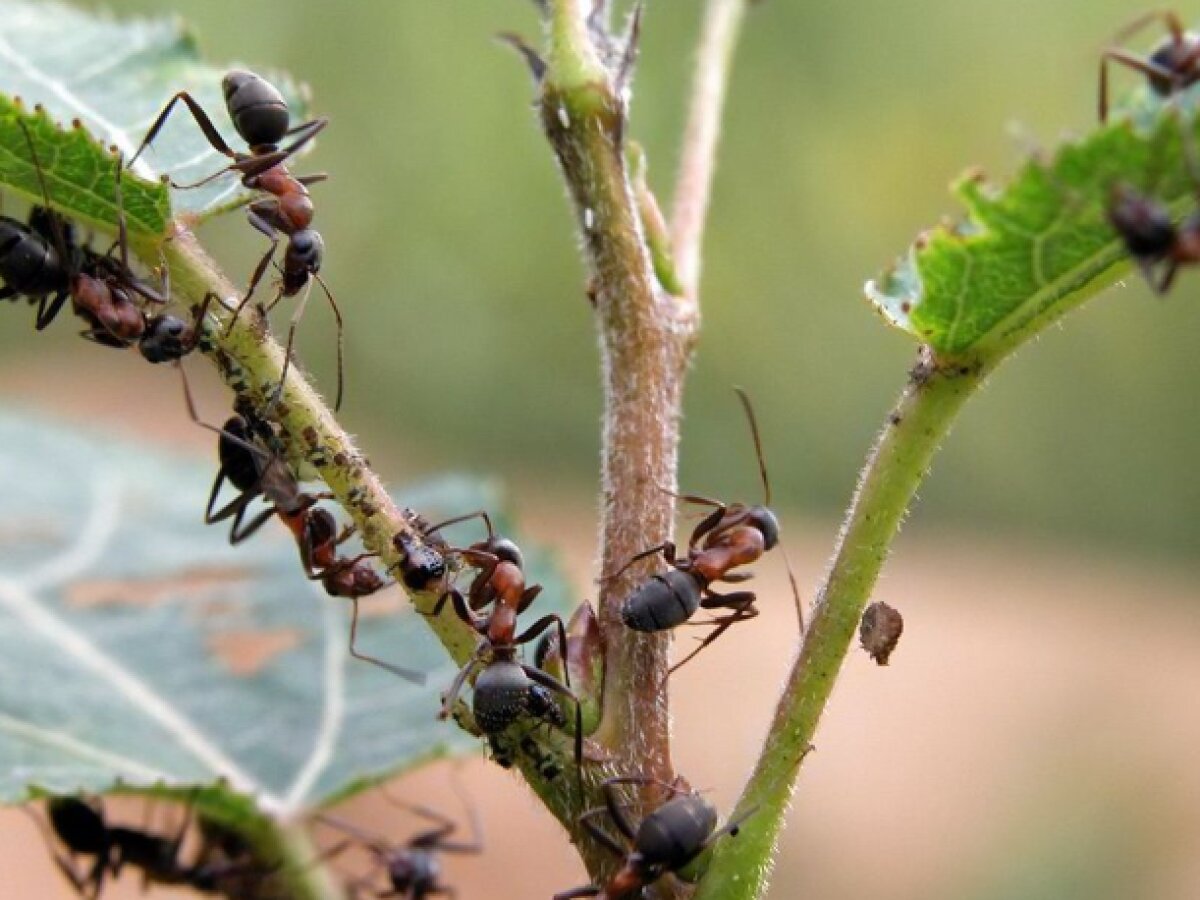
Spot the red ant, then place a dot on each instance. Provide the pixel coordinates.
(733, 535)
(505, 690)
(255, 472)
(1151, 237)
(666, 840)
(413, 869)
(42, 260)
(260, 116)
(1172, 66)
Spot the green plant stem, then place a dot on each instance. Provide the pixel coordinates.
(307, 880)
(893, 472)
(710, 83)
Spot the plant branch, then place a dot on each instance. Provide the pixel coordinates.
(693, 187)
(894, 470)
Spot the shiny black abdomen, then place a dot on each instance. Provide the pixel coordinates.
(662, 602)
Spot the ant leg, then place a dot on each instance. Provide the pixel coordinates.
(48, 309)
(549, 681)
(478, 514)
(461, 609)
(707, 525)
(210, 131)
(263, 225)
(1168, 278)
(733, 825)
(456, 686)
(241, 532)
(253, 166)
(287, 350)
(65, 862)
(407, 674)
(531, 593)
(602, 837)
(666, 548)
(341, 342)
(1129, 60)
(616, 809)
(743, 608)
(315, 178)
(590, 890)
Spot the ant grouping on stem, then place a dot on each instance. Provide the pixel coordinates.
(284, 208)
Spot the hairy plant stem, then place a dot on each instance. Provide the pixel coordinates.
(894, 470)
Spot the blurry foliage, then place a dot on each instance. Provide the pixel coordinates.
(451, 249)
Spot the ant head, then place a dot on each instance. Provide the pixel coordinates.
(258, 110)
(1144, 224)
(764, 520)
(167, 338)
(506, 550)
(320, 527)
(1175, 54)
(305, 250)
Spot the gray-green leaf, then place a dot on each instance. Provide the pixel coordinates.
(138, 647)
(114, 78)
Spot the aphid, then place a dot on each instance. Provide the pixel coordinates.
(880, 631)
(413, 868)
(729, 537)
(1172, 66)
(284, 210)
(666, 840)
(1151, 237)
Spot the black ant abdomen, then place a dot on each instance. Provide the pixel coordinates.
(501, 696)
(663, 602)
(258, 110)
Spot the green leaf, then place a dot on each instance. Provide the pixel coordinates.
(1028, 253)
(80, 174)
(127, 629)
(113, 78)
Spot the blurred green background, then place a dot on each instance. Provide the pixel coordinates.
(450, 247)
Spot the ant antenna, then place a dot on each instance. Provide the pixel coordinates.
(60, 240)
(762, 466)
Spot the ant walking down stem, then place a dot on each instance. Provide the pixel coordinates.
(262, 119)
(665, 841)
(731, 536)
(255, 471)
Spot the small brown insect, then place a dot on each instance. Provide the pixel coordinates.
(880, 631)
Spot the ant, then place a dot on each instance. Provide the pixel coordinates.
(730, 536)
(505, 689)
(81, 827)
(255, 473)
(261, 117)
(413, 868)
(666, 840)
(1172, 66)
(42, 260)
(1151, 237)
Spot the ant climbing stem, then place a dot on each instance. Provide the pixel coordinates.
(731, 536)
(284, 209)
(1172, 66)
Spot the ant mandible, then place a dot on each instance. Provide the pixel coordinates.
(731, 536)
(413, 868)
(261, 117)
(666, 840)
(1172, 66)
